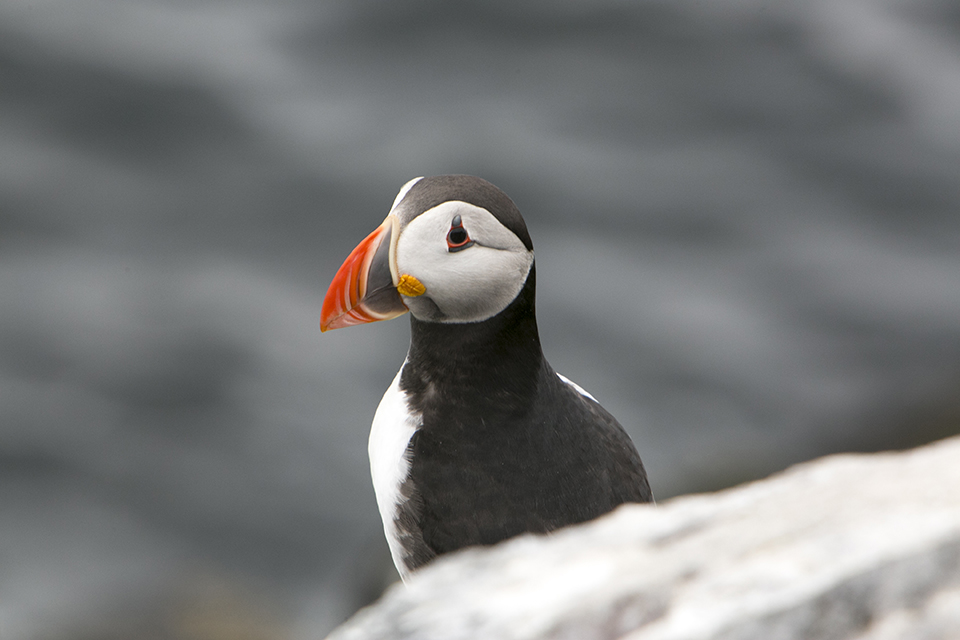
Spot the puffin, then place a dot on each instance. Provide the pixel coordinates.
(477, 439)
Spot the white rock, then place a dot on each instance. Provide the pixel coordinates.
(863, 547)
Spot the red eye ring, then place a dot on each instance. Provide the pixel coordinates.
(457, 238)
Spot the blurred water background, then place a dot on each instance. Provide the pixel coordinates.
(746, 222)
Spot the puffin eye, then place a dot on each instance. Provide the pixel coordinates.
(457, 238)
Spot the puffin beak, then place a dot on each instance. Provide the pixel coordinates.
(365, 288)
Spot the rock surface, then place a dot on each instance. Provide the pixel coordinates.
(864, 547)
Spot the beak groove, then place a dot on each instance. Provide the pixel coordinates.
(365, 287)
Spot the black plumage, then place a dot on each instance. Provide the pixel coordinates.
(506, 446)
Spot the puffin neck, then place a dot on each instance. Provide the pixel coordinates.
(475, 352)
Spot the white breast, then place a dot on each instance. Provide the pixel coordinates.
(576, 387)
(393, 426)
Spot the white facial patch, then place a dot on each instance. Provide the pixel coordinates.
(469, 285)
(403, 191)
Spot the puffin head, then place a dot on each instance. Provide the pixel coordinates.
(453, 249)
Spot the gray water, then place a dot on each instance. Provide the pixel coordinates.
(748, 241)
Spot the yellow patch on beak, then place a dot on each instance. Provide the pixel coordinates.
(410, 286)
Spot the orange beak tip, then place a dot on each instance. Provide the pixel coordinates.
(363, 290)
